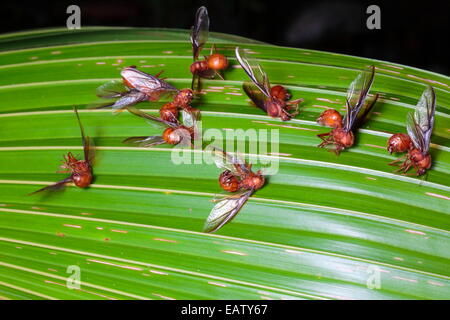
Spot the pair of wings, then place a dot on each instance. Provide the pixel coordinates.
(229, 206)
(147, 83)
(356, 99)
(233, 163)
(225, 210)
(143, 86)
(199, 32)
(89, 154)
(189, 119)
(420, 123)
(258, 90)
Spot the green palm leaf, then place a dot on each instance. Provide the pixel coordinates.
(324, 227)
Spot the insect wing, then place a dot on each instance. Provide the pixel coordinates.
(365, 111)
(356, 95)
(88, 146)
(226, 161)
(147, 83)
(225, 210)
(56, 186)
(190, 117)
(199, 32)
(420, 124)
(130, 99)
(254, 71)
(111, 89)
(153, 119)
(256, 95)
(145, 141)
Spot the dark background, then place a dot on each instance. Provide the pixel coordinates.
(414, 33)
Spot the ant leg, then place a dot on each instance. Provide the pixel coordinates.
(405, 170)
(411, 174)
(217, 73)
(405, 167)
(394, 163)
(158, 74)
(337, 148)
(322, 135)
(296, 101)
(326, 139)
(213, 49)
(195, 84)
(287, 114)
(336, 151)
(293, 107)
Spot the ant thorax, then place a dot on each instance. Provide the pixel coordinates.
(422, 161)
(184, 98)
(199, 66)
(253, 181)
(343, 138)
(275, 108)
(169, 112)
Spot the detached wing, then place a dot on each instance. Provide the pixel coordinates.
(199, 32)
(225, 210)
(356, 95)
(420, 124)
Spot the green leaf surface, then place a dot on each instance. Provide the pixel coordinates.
(323, 227)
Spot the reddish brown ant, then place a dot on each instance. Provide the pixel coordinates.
(417, 143)
(273, 100)
(174, 131)
(342, 136)
(81, 170)
(237, 177)
(213, 64)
